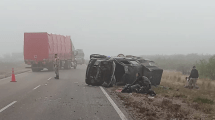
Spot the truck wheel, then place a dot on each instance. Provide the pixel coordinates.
(75, 64)
(69, 65)
(34, 69)
(66, 65)
(61, 64)
(51, 67)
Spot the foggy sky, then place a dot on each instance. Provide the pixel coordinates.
(110, 27)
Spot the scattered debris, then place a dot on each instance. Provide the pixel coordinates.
(119, 90)
(141, 85)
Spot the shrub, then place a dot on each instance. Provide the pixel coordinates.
(207, 69)
(203, 100)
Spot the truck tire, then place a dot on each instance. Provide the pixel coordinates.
(50, 67)
(75, 64)
(34, 69)
(69, 65)
(66, 65)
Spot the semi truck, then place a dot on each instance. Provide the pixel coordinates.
(40, 49)
(80, 56)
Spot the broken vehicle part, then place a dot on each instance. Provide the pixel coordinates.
(151, 71)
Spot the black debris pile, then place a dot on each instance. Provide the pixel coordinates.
(141, 85)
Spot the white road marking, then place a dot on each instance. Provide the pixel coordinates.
(121, 115)
(36, 87)
(50, 78)
(7, 106)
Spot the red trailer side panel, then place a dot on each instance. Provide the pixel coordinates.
(40, 46)
(61, 45)
(36, 46)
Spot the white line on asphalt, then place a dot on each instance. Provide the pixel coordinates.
(7, 106)
(36, 87)
(50, 78)
(121, 115)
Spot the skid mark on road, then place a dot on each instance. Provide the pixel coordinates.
(121, 115)
(7, 106)
(36, 87)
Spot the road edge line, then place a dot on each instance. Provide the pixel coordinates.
(7, 106)
(121, 115)
(36, 87)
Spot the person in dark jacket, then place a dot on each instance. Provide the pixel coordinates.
(141, 84)
(194, 75)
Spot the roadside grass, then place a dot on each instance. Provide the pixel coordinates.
(202, 99)
(173, 101)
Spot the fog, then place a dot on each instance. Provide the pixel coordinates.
(110, 27)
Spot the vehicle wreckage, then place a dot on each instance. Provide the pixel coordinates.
(109, 71)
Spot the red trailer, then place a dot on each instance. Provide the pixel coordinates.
(40, 49)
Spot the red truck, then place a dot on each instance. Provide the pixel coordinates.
(40, 49)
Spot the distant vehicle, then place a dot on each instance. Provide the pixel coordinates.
(40, 49)
(107, 71)
(80, 56)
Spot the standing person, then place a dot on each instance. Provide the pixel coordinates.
(194, 75)
(56, 66)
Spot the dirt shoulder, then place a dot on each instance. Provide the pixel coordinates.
(172, 101)
(144, 107)
(6, 69)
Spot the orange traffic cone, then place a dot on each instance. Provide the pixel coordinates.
(13, 79)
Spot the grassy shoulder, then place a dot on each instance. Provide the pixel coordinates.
(172, 100)
(202, 99)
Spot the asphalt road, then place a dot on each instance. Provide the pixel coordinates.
(38, 96)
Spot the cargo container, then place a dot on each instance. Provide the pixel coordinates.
(40, 49)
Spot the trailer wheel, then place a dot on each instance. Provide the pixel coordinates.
(34, 69)
(69, 65)
(51, 67)
(66, 65)
(75, 64)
